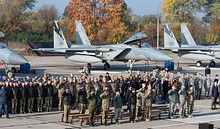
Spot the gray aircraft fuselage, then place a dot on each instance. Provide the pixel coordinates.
(127, 53)
(9, 57)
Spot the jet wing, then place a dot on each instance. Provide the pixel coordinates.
(71, 50)
(215, 49)
(200, 48)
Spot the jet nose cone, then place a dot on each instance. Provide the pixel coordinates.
(17, 59)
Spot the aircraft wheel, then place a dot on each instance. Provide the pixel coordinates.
(198, 63)
(212, 64)
(106, 66)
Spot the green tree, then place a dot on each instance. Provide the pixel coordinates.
(12, 15)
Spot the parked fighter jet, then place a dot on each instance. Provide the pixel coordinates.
(8, 56)
(85, 52)
(188, 48)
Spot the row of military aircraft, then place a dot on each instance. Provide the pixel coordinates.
(130, 51)
(188, 47)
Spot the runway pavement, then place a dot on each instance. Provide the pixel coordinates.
(58, 65)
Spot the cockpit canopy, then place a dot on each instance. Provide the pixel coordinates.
(146, 45)
(3, 46)
(136, 37)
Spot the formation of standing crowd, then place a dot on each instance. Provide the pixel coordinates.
(137, 91)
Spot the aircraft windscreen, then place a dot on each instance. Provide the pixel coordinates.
(3, 46)
(146, 45)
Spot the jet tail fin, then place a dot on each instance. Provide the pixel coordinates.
(81, 37)
(169, 38)
(59, 39)
(186, 37)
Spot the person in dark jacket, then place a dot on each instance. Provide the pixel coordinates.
(98, 99)
(132, 100)
(23, 99)
(4, 101)
(68, 100)
(215, 94)
(40, 96)
(82, 99)
(166, 88)
(48, 95)
(15, 96)
(118, 105)
(31, 97)
(207, 70)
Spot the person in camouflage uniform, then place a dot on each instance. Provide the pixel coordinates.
(40, 96)
(61, 88)
(173, 100)
(190, 101)
(92, 107)
(105, 96)
(138, 105)
(207, 86)
(200, 85)
(148, 104)
(182, 100)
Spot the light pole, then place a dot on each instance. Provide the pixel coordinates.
(158, 24)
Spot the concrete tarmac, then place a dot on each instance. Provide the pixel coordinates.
(57, 66)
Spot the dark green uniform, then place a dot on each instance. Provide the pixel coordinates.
(92, 108)
(148, 104)
(190, 102)
(105, 106)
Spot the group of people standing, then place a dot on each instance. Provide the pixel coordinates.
(137, 91)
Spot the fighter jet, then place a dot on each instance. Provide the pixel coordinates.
(188, 48)
(130, 51)
(8, 56)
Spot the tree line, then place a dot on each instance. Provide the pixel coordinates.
(109, 21)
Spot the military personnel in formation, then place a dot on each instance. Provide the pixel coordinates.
(40, 96)
(139, 103)
(99, 100)
(207, 86)
(192, 82)
(15, 96)
(55, 82)
(92, 107)
(215, 94)
(117, 107)
(23, 99)
(32, 94)
(61, 88)
(88, 85)
(143, 99)
(105, 104)
(182, 100)
(68, 100)
(48, 95)
(187, 81)
(148, 104)
(82, 99)
(200, 86)
(190, 101)
(173, 100)
(132, 100)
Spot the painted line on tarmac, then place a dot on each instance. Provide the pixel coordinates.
(92, 72)
(170, 125)
(203, 68)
